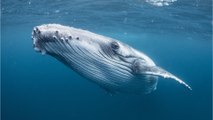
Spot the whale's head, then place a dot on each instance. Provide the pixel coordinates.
(106, 61)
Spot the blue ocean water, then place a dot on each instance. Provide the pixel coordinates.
(177, 37)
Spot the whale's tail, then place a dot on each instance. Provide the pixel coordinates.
(157, 71)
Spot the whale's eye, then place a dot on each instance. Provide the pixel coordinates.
(115, 45)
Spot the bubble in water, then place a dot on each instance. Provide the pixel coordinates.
(57, 11)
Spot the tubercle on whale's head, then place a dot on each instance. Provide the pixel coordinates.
(51, 33)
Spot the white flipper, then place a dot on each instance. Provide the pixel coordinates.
(163, 73)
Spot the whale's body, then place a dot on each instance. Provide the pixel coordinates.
(111, 64)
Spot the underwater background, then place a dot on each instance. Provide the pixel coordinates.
(177, 35)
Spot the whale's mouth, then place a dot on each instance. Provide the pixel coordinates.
(37, 40)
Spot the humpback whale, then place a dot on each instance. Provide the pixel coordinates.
(113, 65)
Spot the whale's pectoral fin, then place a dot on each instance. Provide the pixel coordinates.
(141, 68)
(157, 71)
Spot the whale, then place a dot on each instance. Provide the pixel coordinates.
(109, 63)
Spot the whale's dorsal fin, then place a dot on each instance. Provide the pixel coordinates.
(157, 71)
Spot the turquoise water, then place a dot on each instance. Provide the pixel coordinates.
(177, 37)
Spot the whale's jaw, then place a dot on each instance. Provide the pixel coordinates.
(111, 64)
